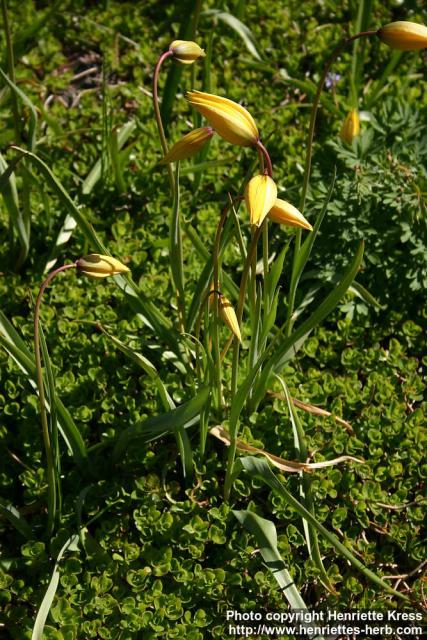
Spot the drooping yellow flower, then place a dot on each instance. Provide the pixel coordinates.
(405, 36)
(189, 145)
(186, 51)
(95, 265)
(285, 213)
(260, 196)
(229, 119)
(228, 316)
(350, 127)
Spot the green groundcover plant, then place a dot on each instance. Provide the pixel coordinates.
(193, 455)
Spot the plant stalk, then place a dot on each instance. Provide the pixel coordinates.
(215, 337)
(11, 68)
(236, 350)
(308, 159)
(163, 57)
(51, 485)
(269, 167)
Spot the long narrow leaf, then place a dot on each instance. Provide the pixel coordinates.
(14, 345)
(237, 25)
(72, 544)
(265, 534)
(148, 312)
(148, 367)
(289, 346)
(168, 403)
(260, 469)
(308, 243)
(95, 173)
(175, 246)
(169, 422)
(9, 512)
(53, 422)
(305, 489)
(27, 102)
(11, 201)
(365, 295)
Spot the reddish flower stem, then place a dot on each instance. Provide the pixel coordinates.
(51, 495)
(164, 56)
(269, 168)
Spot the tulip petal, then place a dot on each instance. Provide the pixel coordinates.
(228, 316)
(351, 127)
(189, 145)
(186, 51)
(404, 36)
(231, 121)
(260, 196)
(98, 266)
(285, 213)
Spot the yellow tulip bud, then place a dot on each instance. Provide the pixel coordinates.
(186, 51)
(189, 145)
(228, 316)
(350, 127)
(285, 213)
(97, 266)
(229, 119)
(405, 36)
(260, 196)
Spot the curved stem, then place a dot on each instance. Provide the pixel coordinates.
(269, 168)
(307, 169)
(51, 487)
(164, 56)
(336, 52)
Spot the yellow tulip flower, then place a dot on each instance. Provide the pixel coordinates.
(405, 36)
(229, 119)
(228, 316)
(260, 197)
(186, 51)
(189, 145)
(351, 127)
(95, 265)
(285, 213)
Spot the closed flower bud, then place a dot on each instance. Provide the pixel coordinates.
(350, 127)
(285, 213)
(189, 145)
(260, 196)
(229, 119)
(228, 316)
(186, 51)
(97, 266)
(405, 36)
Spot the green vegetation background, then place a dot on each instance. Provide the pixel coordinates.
(163, 560)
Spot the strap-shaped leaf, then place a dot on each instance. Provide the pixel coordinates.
(258, 468)
(285, 350)
(265, 534)
(15, 518)
(95, 173)
(304, 252)
(70, 545)
(170, 422)
(11, 201)
(238, 26)
(148, 312)
(33, 112)
(15, 346)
